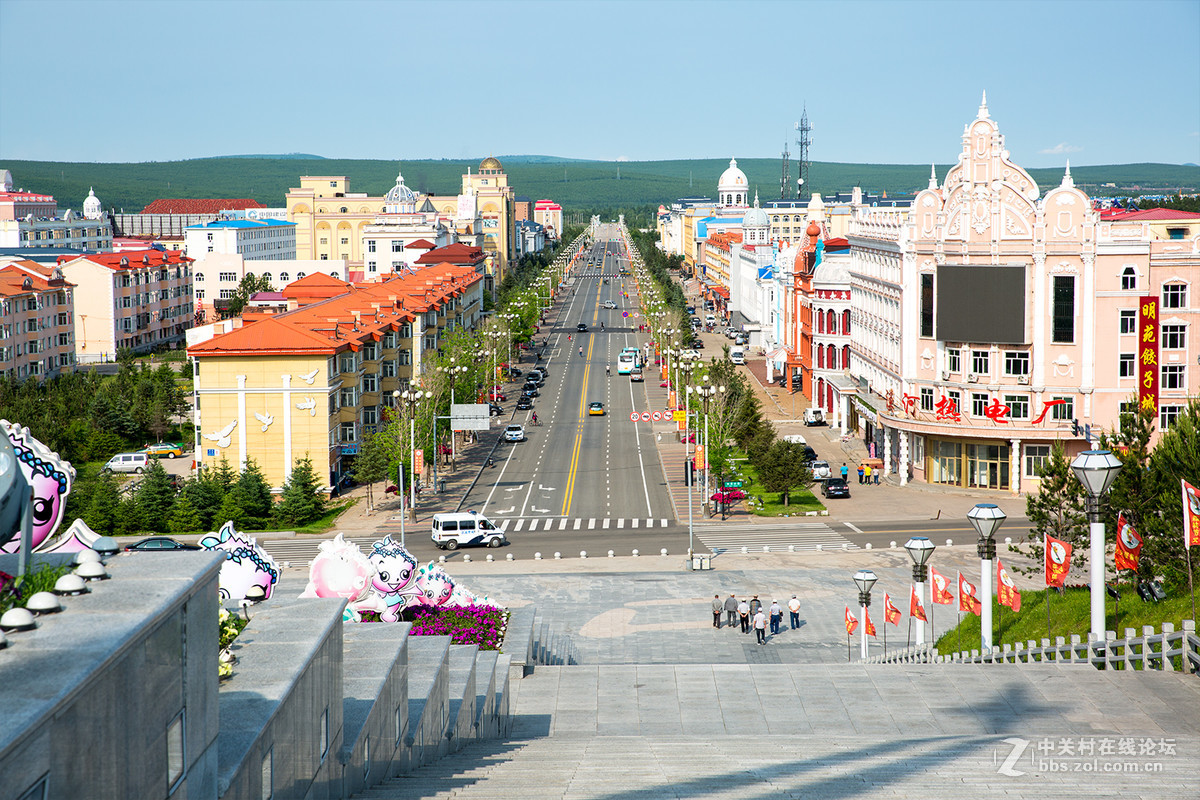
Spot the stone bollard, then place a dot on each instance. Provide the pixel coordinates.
(818, 548)
(508, 557)
(791, 548)
(1008, 540)
(583, 553)
(466, 558)
(537, 556)
(949, 543)
(662, 552)
(845, 545)
(745, 550)
(441, 559)
(611, 554)
(635, 553)
(868, 546)
(892, 544)
(557, 556)
(766, 548)
(489, 558)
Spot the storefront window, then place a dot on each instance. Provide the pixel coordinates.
(968, 464)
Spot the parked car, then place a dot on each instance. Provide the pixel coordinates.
(168, 449)
(525, 403)
(159, 544)
(494, 410)
(497, 397)
(595, 409)
(835, 487)
(820, 470)
(514, 433)
(460, 529)
(127, 462)
(814, 416)
(513, 372)
(635, 375)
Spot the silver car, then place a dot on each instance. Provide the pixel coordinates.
(514, 433)
(821, 471)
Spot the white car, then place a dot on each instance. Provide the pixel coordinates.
(514, 433)
(821, 471)
(608, 304)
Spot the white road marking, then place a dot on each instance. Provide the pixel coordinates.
(578, 523)
(591, 524)
(852, 527)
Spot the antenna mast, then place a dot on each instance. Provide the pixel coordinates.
(804, 140)
(785, 182)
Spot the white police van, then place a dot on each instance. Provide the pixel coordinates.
(462, 529)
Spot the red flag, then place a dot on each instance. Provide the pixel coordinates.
(890, 612)
(968, 600)
(870, 625)
(941, 592)
(1191, 515)
(1058, 560)
(1006, 590)
(851, 622)
(915, 607)
(1129, 544)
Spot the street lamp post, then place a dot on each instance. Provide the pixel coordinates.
(707, 392)
(920, 550)
(1096, 470)
(986, 519)
(864, 579)
(411, 397)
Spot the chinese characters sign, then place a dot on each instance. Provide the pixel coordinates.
(1148, 353)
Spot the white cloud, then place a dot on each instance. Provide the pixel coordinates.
(1060, 149)
(622, 158)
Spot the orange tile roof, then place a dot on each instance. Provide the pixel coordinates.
(131, 259)
(199, 205)
(456, 253)
(13, 277)
(346, 319)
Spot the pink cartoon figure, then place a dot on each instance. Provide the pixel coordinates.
(50, 478)
(248, 572)
(436, 587)
(394, 580)
(341, 570)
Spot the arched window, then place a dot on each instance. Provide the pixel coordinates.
(820, 322)
(1129, 279)
(832, 320)
(266, 277)
(299, 275)
(846, 322)
(820, 390)
(832, 359)
(199, 277)
(283, 277)
(846, 357)
(342, 209)
(820, 357)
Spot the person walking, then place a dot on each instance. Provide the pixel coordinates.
(776, 612)
(760, 626)
(731, 605)
(875, 472)
(717, 608)
(794, 610)
(755, 605)
(860, 473)
(744, 615)
(845, 472)
(867, 473)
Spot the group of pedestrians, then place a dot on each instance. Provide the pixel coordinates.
(865, 473)
(749, 614)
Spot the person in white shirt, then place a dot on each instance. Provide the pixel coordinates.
(794, 608)
(776, 612)
(744, 615)
(760, 626)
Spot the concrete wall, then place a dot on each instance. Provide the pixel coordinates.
(87, 698)
(428, 700)
(375, 704)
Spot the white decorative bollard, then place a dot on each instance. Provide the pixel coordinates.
(893, 544)
(611, 554)
(819, 548)
(868, 545)
(635, 553)
(557, 555)
(537, 556)
(441, 559)
(949, 543)
(766, 548)
(583, 553)
(791, 548)
(489, 558)
(745, 550)
(663, 551)
(508, 557)
(1008, 540)
(466, 558)
(845, 545)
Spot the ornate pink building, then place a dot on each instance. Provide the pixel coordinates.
(990, 321)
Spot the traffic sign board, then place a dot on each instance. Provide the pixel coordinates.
(645, 416)
(656, 416)
(733, 484)
(633, 417)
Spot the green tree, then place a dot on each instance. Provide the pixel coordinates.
(1176, 458)
(230, 511)
(184, 516)
(155, 497)
(223, 476)
(1056, 509)
(130, 520)
(248, 286)
(204, 495)
(1132, 491)
(302, 501)
(252, 495)
(104, 507)
(782, 469)
(374, 462)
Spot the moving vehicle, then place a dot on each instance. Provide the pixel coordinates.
(463, 529)
(514, 433)
(168, 449)
(159, 544)
(127, 462)
(581, 327)
(608, 304)
(494, 410)
(626, 362)
(820, 470)
(530, 390)
(835, 487)
(738, 355)
(595, 409)
(635, 375)
(710, 319)
(525, 403)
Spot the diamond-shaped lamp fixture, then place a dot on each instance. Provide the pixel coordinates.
(1096, 470)
(920, 549)
(986, 518)
(865, 579)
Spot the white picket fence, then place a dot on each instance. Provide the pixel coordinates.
(1150, 650)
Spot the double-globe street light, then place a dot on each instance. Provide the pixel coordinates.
(410, 398)
(864, 579)
(1096, 470)
(706, 392)
(920, 550)
(986, 519)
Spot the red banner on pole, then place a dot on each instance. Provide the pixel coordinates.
(851, 622)
(1006, 590)
(941, 588)
(1058, 561)
(1129, 544)
(1148, 353)
(967, 599)
(890, 612)
(1191, 515)
(915, 607)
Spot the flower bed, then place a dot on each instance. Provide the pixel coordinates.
(479, 625)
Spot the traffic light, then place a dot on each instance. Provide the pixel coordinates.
(1074, 427)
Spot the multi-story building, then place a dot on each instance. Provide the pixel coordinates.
(29, 220)
(138, 300)
(486, 194)
(168, 218)
(310, 381)
(530, 237)
(215, 278)
(548, 214)
(991, 321)
(406, 230)
(254, 240)
(36, 320)
(831, 385)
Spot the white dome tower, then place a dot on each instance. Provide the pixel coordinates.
(756, 226)
(91, 206)
(400, 199)
(732, 189)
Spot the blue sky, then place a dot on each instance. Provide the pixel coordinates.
(885, 82)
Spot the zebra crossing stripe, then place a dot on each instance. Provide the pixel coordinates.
(591, 524)
(605, 525)
(520, 523)
(562, 524)
(664, 523)
(649, 523)
(504, 526)
(578, 522)
(633, 522)
(621, 523)
(533, 524)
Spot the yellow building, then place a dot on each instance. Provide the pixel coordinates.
(311, 381)
(487, 196)
(330, 219)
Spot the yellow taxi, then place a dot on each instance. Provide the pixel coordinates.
(596, 409)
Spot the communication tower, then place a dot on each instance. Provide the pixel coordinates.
(804, 140)
(785, 182)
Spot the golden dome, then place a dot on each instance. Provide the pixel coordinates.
(490, 164)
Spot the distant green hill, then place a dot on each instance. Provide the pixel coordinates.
(574, 184)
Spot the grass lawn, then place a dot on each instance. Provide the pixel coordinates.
(799, 499)
(1069, 614)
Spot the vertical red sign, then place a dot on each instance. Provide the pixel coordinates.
(1148, 353)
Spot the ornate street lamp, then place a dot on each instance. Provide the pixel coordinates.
(864, 579)
(986, 519)
(1096, 470)
(920, 550)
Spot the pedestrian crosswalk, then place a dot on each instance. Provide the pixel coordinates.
(534, 524)
(300, 551)
(732, 537)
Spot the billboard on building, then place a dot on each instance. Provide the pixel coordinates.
(981, 303)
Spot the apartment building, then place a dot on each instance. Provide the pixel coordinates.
(309, 382)
(36, 320)
(138, 300)
(30, 219)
